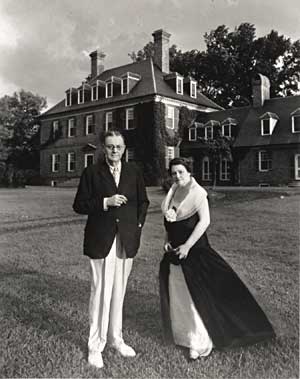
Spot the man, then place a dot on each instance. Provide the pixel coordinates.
(113, 195)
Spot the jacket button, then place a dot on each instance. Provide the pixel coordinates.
(117, 220)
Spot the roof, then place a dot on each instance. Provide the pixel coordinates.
(152, 83)
(250, 130)
(248, 120)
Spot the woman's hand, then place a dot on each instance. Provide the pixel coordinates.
(182, 251)
(167, 247)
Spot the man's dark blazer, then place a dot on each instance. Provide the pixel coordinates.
(97, 183)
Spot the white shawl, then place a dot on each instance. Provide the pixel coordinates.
(190, 204)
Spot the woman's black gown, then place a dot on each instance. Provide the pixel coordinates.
(228, 310)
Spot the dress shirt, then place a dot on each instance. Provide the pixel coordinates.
(116, 173)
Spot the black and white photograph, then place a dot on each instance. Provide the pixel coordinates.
(149, 189)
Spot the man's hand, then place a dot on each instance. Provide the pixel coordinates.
(116, 200)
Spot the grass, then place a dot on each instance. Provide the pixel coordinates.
(44, 285)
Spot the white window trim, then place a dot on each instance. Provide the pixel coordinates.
(297, 166)
(87, 124)
(53, 161)
(260, 160)
(106, 119)
(86, 158)
(272, 124)
(169, 155)
(193, 84)
(78, 96)
(226, 173)
(293, 124)
(97, 88)
(69, 127)
(172, 116)
(122, 86)
(68, 95)
(55, 126)
(106, 89)
(69, 161)
(179, 84)
(190, 134)
(230, 129)
(206, 175)
(128, 110)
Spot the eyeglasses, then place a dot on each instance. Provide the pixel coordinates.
(116, 147)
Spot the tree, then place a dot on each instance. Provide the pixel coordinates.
(232, 58)
(19, 129)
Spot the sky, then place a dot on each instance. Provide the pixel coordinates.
(45, 45)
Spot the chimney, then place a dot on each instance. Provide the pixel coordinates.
(161, 50)
(97, 65)
(260, 90)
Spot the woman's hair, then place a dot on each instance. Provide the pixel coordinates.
(183, 161)
(112, 133)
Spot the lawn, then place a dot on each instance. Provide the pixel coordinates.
(44, 284)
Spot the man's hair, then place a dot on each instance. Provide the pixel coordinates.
(111, 133)
(183, 161)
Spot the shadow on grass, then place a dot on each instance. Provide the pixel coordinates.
(58, 306)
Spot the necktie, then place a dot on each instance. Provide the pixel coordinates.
(115, 174)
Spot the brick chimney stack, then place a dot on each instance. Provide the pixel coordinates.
(161, 48)
(260, 90)
(97, 63)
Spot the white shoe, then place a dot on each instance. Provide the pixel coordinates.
(194, 354)
(125, 350)
(95, 359)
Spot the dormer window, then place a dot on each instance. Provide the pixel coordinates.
(296, 121)
(55, 127)
(71, 97)
(209, 132)
(124, 86)
(109, 89)
(170, 120)
(68, 100)
(267, 123)
(80, 96)
(227, 127)
(179, 85)
(129, 118)
(95, 92)
(193, 89)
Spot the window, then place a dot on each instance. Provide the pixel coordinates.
(169, 154)
(71, 127)
(130, 154)
(129, 118)
(265, 127)
(264, 161)
(192, 134)
(94, 93)
(68, 100)
(226, 130)
(89, 124)
(170, 117)
(296, 124)
(71, 162)
(88, 159)
(55, 162)
(80, 96)
(179, 85)
(124, 86)
(108, 121)
(209, 133)
(224, 169)
(193, 89)
(109, 89)
(206, 171)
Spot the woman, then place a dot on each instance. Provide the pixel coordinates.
(204, 303)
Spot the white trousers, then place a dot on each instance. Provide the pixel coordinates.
(108, 285)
